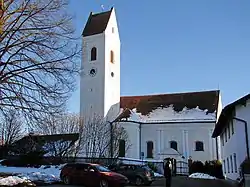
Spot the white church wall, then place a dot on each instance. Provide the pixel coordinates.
(133, 131)
(203, 134)
(92, 88)
(112, 82)
(185, 134)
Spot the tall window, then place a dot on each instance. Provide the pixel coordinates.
(93, 53)
(222, 139)
(232, 126)
(121, 148)
(229, 133)
(173, 145)
(235, 163)
(112, 57)
(231, 161)
(228, 167)
(225, 134)
(199, 146)
(150, 147)
(224, 166)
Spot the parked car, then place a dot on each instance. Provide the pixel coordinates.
(136, 174)
(91, 175)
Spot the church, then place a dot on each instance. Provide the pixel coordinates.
(177, 125)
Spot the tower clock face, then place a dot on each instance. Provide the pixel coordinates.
(92, 72)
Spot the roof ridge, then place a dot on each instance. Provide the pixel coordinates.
(174, 93)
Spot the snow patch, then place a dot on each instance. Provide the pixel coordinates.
(201, 176)
(157, 174)
(44, 174)
(12, 181)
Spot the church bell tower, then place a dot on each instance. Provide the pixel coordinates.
(100, 67)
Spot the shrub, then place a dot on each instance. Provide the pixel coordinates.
(196, 167)
(152, 166)
(214, 168)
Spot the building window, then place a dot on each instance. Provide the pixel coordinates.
(224, 166)
(228, 127)
(121, 148)
(113, 29)
(173, 145)
(150, 147)
(93, 54)
(199, 146)
(112, 57)
(235, 163)
(228, 167)
(232, 126)
(225, 134)
(222, 139)
(231, 161)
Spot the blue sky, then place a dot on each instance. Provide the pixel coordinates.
(178, 46)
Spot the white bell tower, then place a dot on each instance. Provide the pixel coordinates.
(100, 70)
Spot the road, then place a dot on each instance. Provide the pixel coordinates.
(184, 182)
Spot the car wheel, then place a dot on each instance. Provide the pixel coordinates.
(104, 183)
(66, 180)
(138, 181)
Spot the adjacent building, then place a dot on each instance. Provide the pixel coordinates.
(232, 128)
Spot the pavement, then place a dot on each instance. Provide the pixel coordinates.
(182, 182)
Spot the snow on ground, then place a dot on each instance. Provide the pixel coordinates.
(158, 174)
(12, 180)
(43, 174)
(201, 176)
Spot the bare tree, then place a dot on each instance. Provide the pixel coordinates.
(100, 138)
(66, 126)
(11, 127)
(38, 56)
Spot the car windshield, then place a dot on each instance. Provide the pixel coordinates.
(102, 169)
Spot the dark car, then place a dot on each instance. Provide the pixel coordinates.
(91, 175)
(136, 174)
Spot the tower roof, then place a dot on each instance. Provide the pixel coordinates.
(97, 23)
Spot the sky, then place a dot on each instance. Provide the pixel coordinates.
(177, 46)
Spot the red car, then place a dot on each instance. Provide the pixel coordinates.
(91, 175)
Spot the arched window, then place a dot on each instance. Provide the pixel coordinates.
(150, 147)
(199, 146)
(93, 53)
(121, 148)
(112, 57)
(173, 145)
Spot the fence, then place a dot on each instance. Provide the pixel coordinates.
(179, 168)
(182, 168)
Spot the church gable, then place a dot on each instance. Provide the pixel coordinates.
(176, 106)
(97, 23)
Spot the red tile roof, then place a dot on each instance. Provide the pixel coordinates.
(147, 103)
(96, 23)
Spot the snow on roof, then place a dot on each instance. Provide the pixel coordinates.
(168, 114)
